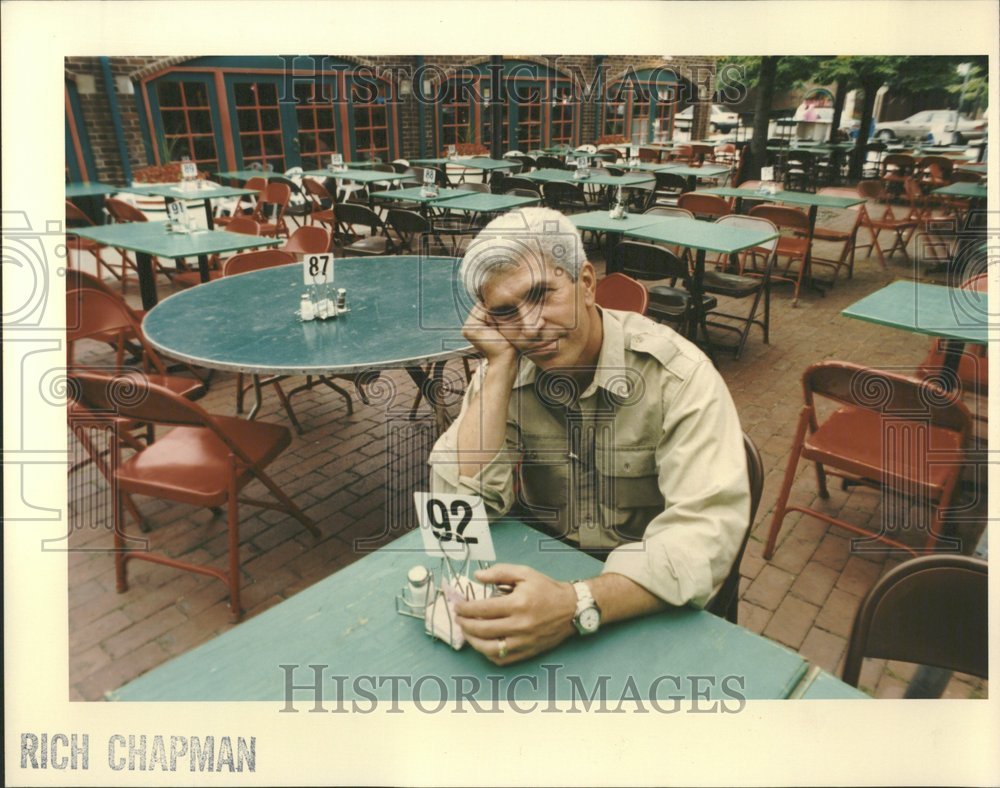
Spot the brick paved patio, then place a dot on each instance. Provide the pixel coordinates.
(804, 598)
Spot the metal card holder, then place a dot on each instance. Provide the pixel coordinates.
(433, 601)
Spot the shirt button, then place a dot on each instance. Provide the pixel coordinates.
(628, 466)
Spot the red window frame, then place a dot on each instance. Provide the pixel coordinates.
(187, 138)
(260, 134)
(313, 108)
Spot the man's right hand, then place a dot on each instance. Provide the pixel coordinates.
(482, 332)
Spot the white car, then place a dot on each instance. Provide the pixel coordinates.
(938, 126)
(720, 119)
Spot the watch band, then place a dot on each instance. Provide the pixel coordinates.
(587, 617)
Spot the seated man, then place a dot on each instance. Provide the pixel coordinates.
(623, 434)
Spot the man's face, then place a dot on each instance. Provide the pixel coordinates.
(544, 314)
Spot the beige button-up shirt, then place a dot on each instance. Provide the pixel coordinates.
(648, 460)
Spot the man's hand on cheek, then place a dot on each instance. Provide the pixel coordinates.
(537, 615)
(481, 330)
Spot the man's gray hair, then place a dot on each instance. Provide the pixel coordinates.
(521, 236)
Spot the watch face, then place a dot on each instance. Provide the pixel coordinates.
(589, 620)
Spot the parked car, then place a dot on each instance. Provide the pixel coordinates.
(720, 119)
(937, 126)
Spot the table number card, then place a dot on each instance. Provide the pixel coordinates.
(767, 173)
(177, 213)
(454, 526)
(189, 170)
(317, 269)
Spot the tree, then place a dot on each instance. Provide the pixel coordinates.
(735, 76)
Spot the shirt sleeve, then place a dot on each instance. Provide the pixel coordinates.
(687, 550)
(495, 481)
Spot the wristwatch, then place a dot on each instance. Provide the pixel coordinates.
(587, 618)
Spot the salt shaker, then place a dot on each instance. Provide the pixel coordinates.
(306, 309)
(417, 584)
(341, 300)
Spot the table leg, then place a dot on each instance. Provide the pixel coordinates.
(257, 398)
(203, 267)
(698, 312)
(147, 280)
(430, 387)
(209, 219)
(807, 263)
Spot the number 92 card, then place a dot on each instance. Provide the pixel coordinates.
(454, 526)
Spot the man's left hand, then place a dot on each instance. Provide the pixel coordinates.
(535, 617)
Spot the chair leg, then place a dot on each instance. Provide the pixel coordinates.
(780, 506)
(233, 528)
(821, 481)
(289, 505)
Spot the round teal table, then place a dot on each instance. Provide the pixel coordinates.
(405, 311)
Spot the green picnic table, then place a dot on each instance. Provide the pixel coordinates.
(475, 202)
(356, 175)
(416, 194)
(245, 175)
(152, 239)
(90, 189)
(693, 173)
(958, 316)
(811, 201)
(973, 191)
(177, 193)
(89, 195)
(347, 625)
(702, 237)
(598, 176)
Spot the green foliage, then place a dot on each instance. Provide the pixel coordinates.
(903, 73)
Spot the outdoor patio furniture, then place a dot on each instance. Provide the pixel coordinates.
(891, 432)
(204, 461)
(754, 283)
(618, 291)
(931, 610)
(793, 244)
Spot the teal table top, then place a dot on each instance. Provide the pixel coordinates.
(348, 624)
(817, 684)
(696, 234)
(358, 176)
(475, 202)
(404, 310)
(788, 197)
(706, 170)
(934, 310)
(245, 175)
(597, 176)
(599, 221)
(979, 168)
(416, 194)
(976, 191)
(177, 192)
(646, 166)
(483, 163)
(90, 189)
(153, 238)
(435, 161)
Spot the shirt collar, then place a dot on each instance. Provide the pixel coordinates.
(610, 361)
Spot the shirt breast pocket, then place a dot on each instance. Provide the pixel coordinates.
(544, 471)
(629, 484)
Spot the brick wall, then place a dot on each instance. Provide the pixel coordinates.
(97, 113)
